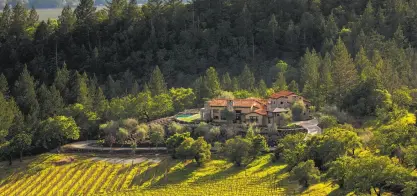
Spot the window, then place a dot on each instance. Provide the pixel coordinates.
(253, 119)
(269, 120)
(282, 102)
(223, 117)
(216, 118)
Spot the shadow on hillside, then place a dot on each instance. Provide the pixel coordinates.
(218, 176)
(160, 174)
(337, 192)
(177, 176)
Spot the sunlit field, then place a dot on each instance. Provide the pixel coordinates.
(53, 13)
(41, 176)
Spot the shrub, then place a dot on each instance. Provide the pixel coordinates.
(226, 95)
(174, 142)
(218, 146)
(213, 135)
(305, 173)
(122, 135)
(278, 151)
(286, 118)
(294, 149)
(258, 144)
(141, 133)
(229, 131)
(174, 127)
(201, 130)
(237, 150)
(327, 121)
(184, 150)
(130, 124)
(198, 149)
(242, 94)
(156, 134)
(201, 151)
(298, 110)
(229, 115)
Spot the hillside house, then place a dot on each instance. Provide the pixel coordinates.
(262, 112)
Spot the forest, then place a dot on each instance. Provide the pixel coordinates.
(89, 69)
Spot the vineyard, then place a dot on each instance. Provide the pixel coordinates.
(86, 176)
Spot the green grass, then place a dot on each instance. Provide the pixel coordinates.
(190, 118)
(170, 177)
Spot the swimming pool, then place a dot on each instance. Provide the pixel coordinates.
(184, 115)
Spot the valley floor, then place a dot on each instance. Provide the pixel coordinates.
(92, 175)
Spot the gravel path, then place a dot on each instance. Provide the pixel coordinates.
(127, 160)
(88, 145)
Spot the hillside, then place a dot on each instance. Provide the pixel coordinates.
(40, 176)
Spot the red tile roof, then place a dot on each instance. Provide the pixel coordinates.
(281, 94)
(245, 103)
(261, 111)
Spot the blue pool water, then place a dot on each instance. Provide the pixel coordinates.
(184, 115)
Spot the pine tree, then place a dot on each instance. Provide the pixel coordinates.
(127, 82)
(310, 76)
(84, 12)
(310, 69)
(25, 94)
(45, 105)
(293, 87)
(66, 20)
(326, 82)
(273, 26)
(281, 83)
(157, 83)
(331, 30)
(115, 10)
(244, 24)
(4, 86)
(368, 20)
(33, 17)
(262, 89)
(212, 82)
(247, 79)
(135, 88)
(112, 88)
(18, 20)
(5, 18)
(79, 90)
(92, 87)
(399, 37)
(327, 46)
(235, 84)
(57, 101)
(62, 77)
(100, 102)
(132, 11)
(226, 82)
(361, 60)
(344, 73)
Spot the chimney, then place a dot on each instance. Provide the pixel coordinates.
(230, 105)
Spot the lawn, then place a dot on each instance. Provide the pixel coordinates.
(40, 176)
(189, 118)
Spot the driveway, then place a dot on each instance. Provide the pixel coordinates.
(89, 145)
(311, 126)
